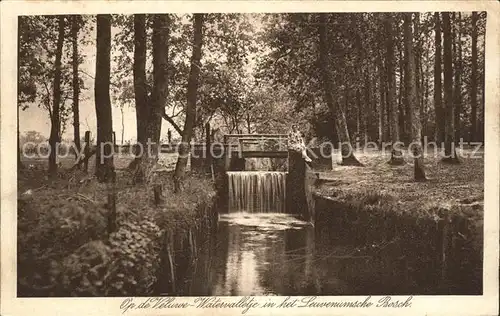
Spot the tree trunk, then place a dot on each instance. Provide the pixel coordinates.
(449, 148)
(396, 154)
(140, 91)
(346, 149)
(123, 125)
(473, 90)
(152, 109)
(20, 164)
(192, 94)
(358, 113)
(402, 100)
(249, 125)
(438, 106)
(458, 76)
(104, 151)
(416, 128)
(480, 132)
(141, 97)
(382, 88)
(161, 25)
(76, 85)
(367, 108)
(418, 64)
(425, 101)
(406, 104)
(55, 126)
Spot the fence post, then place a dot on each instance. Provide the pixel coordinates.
(86, 151)
(114, 141)
(157, 193)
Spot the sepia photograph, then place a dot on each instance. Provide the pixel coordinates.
(239, 154)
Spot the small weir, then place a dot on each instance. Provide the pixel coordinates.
(256, 191)
(268, 239)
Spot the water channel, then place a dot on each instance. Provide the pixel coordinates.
(259, 248)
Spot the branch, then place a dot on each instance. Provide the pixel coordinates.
(281, 56)
(83, 159)
(92, 77)
(48, 100)
(171, 121)
(176, 114)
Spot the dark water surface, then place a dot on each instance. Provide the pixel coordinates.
(275, 253)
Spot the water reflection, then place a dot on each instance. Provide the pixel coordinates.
(275, 253)
(258, 248)
(262, 254)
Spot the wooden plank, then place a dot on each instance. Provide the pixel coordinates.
(264, 154)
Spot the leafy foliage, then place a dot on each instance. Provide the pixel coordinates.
(64, 250)
(37, 49)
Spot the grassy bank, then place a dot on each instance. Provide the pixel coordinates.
(457, 188)
(435, 227)
(63, 246)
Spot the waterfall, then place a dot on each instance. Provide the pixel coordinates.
(256, 191)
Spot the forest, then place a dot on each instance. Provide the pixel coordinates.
(345, 78)
(334, 73)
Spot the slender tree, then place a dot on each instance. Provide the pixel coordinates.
(142, 107)
(123, 123)
(416, 128)
(425, 100)
(140, 91)
(402, 108)
(396, 154)
(346, 149)
(473, 82)
(418, 63)
(457, 90)
(20, 164)
(76, 83)
(382, 88)
(193, 82)
(367, 108)
(104, 152)
(437, 81)
(160, 84)
(449, 116)
(55, 128)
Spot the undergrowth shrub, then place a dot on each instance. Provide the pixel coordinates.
(124, 265)
(64, 249)
(51, 225)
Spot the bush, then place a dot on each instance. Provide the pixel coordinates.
(125, 265)
(64, 249)
(50, 226)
